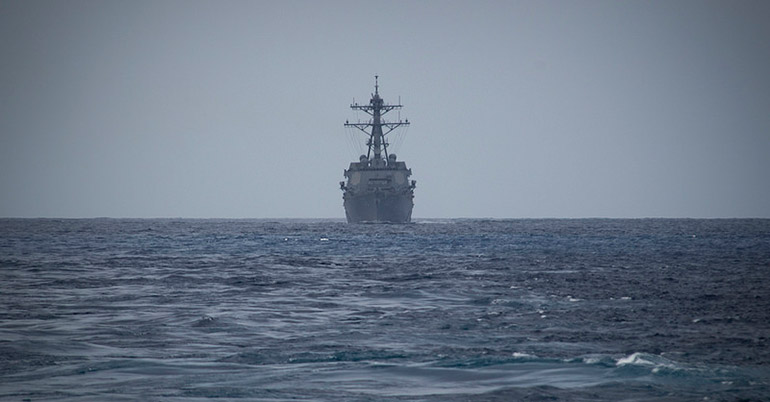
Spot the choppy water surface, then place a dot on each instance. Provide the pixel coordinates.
(439, 310)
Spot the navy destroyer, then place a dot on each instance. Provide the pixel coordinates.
(378, 188)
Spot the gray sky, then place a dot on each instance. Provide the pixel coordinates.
(518, 108)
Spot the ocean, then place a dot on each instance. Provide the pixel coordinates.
(436, 310)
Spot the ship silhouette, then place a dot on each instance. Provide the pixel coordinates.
(378, 188)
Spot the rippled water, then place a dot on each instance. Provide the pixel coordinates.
(107, 309)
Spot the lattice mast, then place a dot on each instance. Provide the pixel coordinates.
(376, 109)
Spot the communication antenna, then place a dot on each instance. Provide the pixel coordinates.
(376, 109)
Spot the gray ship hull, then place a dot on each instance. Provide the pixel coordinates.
(379, 207)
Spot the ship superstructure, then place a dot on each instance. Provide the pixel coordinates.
(378, 188)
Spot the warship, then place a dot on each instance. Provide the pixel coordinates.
(378, 188)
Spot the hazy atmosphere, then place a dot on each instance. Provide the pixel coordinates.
(518, 109)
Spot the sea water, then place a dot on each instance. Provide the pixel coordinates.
(437, 310)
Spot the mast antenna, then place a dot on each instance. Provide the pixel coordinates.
(374, 127)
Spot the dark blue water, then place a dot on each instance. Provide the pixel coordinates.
(572, 310)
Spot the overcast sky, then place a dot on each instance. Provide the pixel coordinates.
(518, 108)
